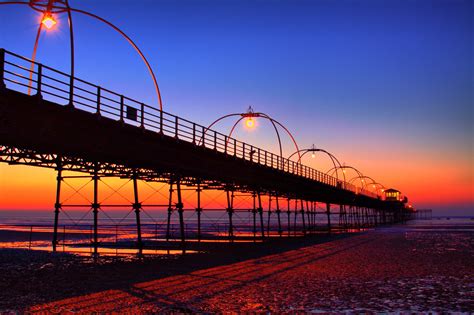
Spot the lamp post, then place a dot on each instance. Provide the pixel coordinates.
(249, 118)
(347, 167)
(313, 150)
(373, 183)
(50, 8)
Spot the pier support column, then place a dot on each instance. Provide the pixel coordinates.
(367, 217)
(269, 214)
(278, 212)
(349, 217)
(137, 207)
(341, 216)
(328, 213)
(288, 212)
(356, 217)
(179, 206)
(353, 217)
(260, 212)
(302, 216)
(308, 215)
(170, 211)
(254, 213)
(315, 213)
(198, 211)
(95, 209)
(296, 215)
(346, 217)
(230, 212)
(57, 204)
(359, 221)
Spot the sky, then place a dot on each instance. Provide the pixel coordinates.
(386, 86)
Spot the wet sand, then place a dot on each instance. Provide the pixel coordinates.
(417, 267)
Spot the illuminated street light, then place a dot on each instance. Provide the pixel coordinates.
(49, 21)
(250, 123)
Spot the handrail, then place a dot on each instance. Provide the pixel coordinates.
(92, 98)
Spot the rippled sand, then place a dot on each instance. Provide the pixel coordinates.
(422, 266)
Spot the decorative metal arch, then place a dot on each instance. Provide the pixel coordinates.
(344, 167)
(373, 181)
(48, 7)
(251, 114)
(313, 149)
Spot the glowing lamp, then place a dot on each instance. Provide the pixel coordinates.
(48, 21)
(250, 123)
(313, 155)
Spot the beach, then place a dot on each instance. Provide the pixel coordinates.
(420, 266)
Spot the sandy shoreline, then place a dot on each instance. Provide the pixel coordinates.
(402, 268)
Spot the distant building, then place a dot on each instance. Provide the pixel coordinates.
(392, 194)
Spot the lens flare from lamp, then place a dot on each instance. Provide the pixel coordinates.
(313, 155)
(48, 21)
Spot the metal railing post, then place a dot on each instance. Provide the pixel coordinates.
(225, 146)
(121, 107)
(203, 136)
(194, 133)
(142, 120)
(98, 101)
(215, 140)
(71, 90)
(161, 121)
(176, 127)
(39, 84)
(2, 68)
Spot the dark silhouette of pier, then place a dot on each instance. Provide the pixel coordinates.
(73, 125)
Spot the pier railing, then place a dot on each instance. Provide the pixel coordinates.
(33, 78)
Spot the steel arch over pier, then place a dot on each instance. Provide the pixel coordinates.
(106, 134)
